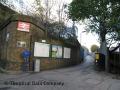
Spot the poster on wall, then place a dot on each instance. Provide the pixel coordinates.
(41, 49)
(67, 52)
(56, 51)
(23, 26)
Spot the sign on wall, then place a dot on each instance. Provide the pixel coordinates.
(56, 51)
(41, 49)
(23, 26)
(67, 52)
(21, 44)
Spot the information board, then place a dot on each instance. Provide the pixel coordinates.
(67, 52)
(41, 49)
(56, 51)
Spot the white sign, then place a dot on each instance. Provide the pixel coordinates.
(41, 49)
(21, 44)
(67, 52)
(43, 41)
(23, 26)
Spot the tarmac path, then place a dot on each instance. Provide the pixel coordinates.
(80, 77)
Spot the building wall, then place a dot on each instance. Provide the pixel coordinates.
(10, 51)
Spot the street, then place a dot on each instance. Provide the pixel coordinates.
(80, 77)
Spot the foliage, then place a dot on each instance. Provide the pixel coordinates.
(38, 12)
(94, 48)
(59, 30)
(5, 13)
(103, 15)
(55, 28)
(8, 3)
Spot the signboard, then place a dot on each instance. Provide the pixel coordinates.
(23, 26)
(97, 56)
(41, 49)
(56, 51)
(67, 52)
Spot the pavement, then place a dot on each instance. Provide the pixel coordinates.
(80, 77)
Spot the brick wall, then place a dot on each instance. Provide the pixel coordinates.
(12, 53)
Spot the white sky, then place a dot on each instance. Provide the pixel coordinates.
(86, 39)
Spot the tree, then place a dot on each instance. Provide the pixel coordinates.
(103, 16)
(94, 48)
(60, 30)
(38, 11)
(8, 3)
(55, 28)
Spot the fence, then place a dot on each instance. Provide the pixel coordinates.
(114, 60)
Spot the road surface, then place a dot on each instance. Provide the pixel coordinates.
(80, 77)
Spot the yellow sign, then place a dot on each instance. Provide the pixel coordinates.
(97, 56)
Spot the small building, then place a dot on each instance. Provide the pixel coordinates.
(20, 33)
